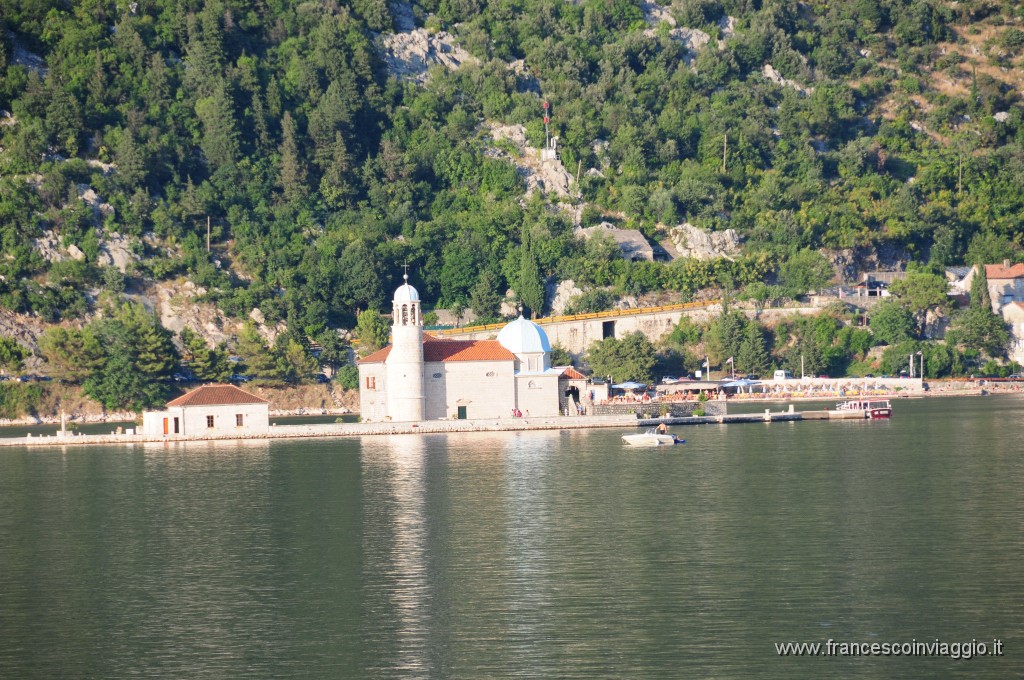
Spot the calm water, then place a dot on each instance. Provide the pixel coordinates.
(553, 555)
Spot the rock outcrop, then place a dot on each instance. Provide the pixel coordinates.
(559, 295)
(548, 176)
(693, 242)
(769, 72)
(410, 55)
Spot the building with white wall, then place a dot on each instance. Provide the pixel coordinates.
(213, 410)
(421, 377)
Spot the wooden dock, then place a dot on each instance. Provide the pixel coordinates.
(767, 417)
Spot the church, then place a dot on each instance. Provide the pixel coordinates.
(421, 377)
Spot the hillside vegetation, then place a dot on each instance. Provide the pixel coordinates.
(825, 133)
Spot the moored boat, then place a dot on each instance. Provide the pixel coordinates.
(652, 438)
(872, 408)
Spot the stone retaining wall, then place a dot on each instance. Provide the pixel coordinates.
(675, 409)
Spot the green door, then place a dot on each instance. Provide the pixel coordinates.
(462, 413)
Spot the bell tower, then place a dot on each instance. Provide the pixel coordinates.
(404, 364)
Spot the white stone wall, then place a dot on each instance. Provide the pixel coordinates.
(998, 289)
(485, 388)
(373, 402)
(193, 420)
(576, 336)
(537, 395)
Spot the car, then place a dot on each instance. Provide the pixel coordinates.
(320, 378)
(183, 377)
(669, 379)
(751, 377)
(239, 378)
(1015, 376)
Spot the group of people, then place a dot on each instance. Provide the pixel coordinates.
(516, 413)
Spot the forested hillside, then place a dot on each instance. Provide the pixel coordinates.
(855, 133)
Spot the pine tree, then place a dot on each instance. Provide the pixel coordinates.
(753, 355)
(206, 363)
(293, 173)
(131, 163)
(261, 362)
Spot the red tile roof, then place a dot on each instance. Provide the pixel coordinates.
(436, 349)
(572, 374)
(377, 357)
(997, 271)
(466, 350)
(212, 395)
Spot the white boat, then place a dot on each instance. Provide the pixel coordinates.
(872, 408)
(652, 438)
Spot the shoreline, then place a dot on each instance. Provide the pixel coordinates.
(132, 417)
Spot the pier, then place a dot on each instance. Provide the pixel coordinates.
(767, 417)
(322, 430)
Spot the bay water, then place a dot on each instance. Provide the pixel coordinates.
(533, 554)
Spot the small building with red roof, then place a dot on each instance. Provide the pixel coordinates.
(1005, 284)
(214, 410)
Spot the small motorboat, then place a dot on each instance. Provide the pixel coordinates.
(652, 438)
(872, 408)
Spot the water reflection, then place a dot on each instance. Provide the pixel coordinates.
(395, 549)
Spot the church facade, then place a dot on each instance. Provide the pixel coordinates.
(420, 377)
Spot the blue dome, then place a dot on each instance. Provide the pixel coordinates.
(523, 337)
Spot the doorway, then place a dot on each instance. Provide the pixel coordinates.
(462, 413)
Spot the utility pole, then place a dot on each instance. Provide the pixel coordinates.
(725, 151)
(207, 233)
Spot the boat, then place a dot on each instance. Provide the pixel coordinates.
(652, 438)
(872, 408)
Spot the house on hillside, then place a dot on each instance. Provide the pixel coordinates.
(214, 410)
(1005, 284)
(632, 244)
(1013, 314)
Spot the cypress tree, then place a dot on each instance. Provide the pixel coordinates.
(979, 289)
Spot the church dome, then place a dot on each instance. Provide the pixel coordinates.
(406, 293)
(523, 337)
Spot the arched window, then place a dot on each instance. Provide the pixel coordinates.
(405, 315)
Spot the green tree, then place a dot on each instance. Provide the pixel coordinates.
(209, 364)
(373, 331)
(630, 358)
(292, 170)
(12, 354)
(137, 359)
(979, 328)
(891, 322)
(724, 336)
(485, 297)
(530, 288)
(260, 361)
(70, 354)
(921, 292)
(753, 353)
(980, 297)
(805, 270)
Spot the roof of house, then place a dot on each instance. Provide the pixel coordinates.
(437, 349)
(958, 272)
(571, 373)
(215, 395)
(998, 271)
(632, 243)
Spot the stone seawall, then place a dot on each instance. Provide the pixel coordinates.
(654, 409)
(343, 430)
